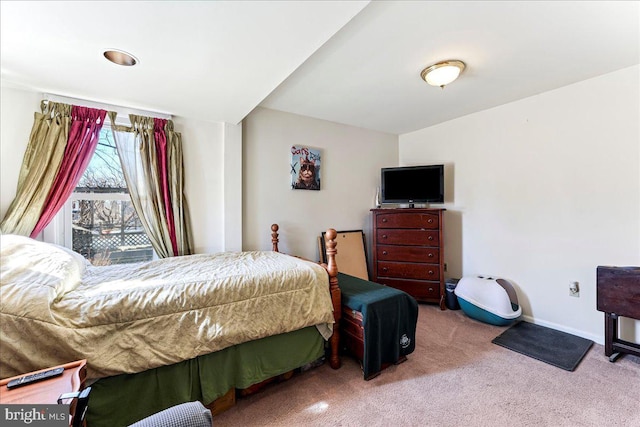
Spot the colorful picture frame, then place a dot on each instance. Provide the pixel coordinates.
(305, 168)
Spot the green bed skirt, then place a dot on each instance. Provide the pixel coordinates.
(124, 399)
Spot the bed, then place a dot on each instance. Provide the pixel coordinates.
(164, 332)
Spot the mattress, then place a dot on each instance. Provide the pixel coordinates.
(129, 318)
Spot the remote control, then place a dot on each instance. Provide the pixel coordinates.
(33, 378)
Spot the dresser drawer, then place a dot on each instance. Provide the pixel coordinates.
(420, 290)
(408, 220)
(408, 253)
(408, 270)
(407, 237)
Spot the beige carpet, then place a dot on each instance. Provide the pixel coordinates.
(455, 377)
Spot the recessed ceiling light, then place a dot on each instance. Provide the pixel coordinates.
(442, 73)
(120, 57)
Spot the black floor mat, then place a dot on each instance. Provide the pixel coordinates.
(545, 344)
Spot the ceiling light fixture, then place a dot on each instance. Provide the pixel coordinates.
(120, 57)
(442, 73)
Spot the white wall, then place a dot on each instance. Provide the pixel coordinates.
(203, 149)
(542, 191)
(351, 162)
(233, 187)
(203, 160)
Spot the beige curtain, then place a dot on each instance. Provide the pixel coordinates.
(40, 165)
(155, 180)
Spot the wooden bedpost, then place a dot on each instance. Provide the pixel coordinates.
(336, 297)
(274, 237)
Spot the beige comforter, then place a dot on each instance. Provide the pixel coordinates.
(55, 307)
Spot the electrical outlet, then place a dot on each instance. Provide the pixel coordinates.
(445, 266)
(574, 289)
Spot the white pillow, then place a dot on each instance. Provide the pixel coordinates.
(82, 262)
(12, 240)
(29, 262)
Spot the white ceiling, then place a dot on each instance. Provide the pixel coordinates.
(351, 62)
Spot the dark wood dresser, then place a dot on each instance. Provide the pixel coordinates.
(408, 252)
(618, 294)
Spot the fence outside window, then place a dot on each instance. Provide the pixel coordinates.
(106, 229)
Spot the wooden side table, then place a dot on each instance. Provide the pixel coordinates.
(618, 294)
(47, 391)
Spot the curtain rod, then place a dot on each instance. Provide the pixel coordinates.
(121, 110)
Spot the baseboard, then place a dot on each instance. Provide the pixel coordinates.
(599, 339)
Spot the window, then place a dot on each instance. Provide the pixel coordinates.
(103, 224)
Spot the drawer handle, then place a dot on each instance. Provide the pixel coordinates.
(384, 253)
(384, 269)
(384, 219)
(384, 236)
(431, 272)
(430, 255)
(430, 238)
(430, 220)
(430, 289)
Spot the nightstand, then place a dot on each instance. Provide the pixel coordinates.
(47, 391)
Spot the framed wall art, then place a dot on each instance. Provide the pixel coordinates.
(305, 168)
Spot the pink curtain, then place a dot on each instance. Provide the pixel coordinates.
(160, 138)
(83, 139)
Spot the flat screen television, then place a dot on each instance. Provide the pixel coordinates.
(412, 184)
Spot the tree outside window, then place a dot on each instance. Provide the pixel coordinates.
(105, 226)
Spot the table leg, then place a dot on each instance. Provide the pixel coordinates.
(610, 332)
